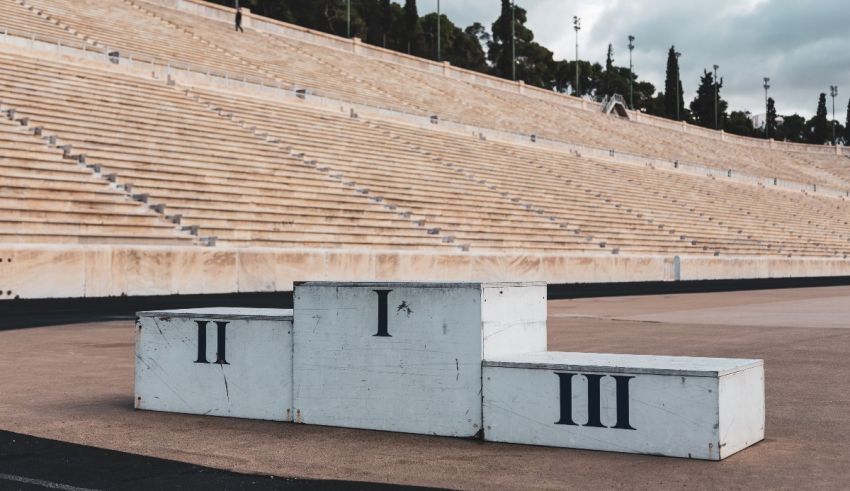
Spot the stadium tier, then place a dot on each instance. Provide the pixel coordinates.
(154, 126)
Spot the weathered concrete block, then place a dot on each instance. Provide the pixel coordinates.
(701, 408)
(219, 361)
(406, 356)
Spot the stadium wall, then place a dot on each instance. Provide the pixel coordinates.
(94, 271)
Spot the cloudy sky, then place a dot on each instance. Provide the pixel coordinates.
(802, 45)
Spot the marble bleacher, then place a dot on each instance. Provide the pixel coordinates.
(222, 166)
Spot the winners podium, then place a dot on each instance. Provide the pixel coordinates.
(449, 359)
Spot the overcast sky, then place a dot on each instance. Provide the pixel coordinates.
(802, 45)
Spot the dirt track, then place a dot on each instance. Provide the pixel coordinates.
(75, 383)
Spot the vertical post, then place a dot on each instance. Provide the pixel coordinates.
(577, 27)
(513, 40)
(631, 73)
(348, 20)
(439, 53)
(833, 91)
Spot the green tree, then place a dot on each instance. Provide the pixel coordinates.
(702, 107)
(740, 123)
(770, 118)
(378, 19)
(564, 73)
(414, 38)
(534, 63)
(819, 131)
(673, 93)
(459, 47)
(792, 129)
(609, 70)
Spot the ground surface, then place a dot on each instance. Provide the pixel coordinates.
(75, 384)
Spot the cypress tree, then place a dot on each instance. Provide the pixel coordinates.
(770, 118)
(609, 69)
(501, 44)
(819, 132)
(673, 93)
(702, 107)
(413, 29)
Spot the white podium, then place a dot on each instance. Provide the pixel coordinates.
(219, 362)
(449, 359)
(701, 408)
(406, 356)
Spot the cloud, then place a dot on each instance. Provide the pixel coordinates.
(802, 45)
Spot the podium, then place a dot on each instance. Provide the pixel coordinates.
(700, 408)
(218, 362)
(406, 356)
(450, 359)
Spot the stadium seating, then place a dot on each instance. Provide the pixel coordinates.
(599, 205)
(206, 171)
(45, 198)
(203, 164)
(118, 26)
(18, 20)
(364, 80)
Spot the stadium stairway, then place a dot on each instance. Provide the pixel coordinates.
(49, 195)
(197, 168)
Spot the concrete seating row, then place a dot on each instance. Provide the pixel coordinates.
(376, 82)
(610, 199)
(119, 26)
(448, 359)
(18, 20)
(47, 198)
(198, 168)
(260, 172)
(169, 34)
(435, 196)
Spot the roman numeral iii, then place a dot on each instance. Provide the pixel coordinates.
(594, 413)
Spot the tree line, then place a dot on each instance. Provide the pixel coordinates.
(399, 27)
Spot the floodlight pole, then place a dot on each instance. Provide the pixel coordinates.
(577, 27)
(513, 40)
(716, 125)
(678, 83)
(833, 91)
(766, 108)
(631, 73)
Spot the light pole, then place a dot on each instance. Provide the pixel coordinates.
(716, 124)
(631, 73)
(833, 91)
(766, 108)
(678, 84)
(348, 20)
(577, 27)
(439, 53)
(513, 40)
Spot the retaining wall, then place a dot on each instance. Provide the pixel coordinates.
(75, 271)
